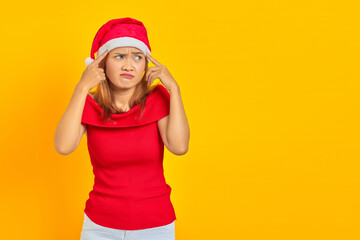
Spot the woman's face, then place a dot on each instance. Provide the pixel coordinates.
(125, 60)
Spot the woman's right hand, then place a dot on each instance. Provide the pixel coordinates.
(93, 74)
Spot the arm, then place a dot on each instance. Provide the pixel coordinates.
(70, 130)
(174, 128)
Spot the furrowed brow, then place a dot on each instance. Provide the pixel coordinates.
(131, 52)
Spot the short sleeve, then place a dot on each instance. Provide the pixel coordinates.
(157, 106)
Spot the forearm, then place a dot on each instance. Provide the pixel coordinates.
(178, 132)
(67, 132)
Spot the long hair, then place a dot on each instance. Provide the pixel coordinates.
(104, 97)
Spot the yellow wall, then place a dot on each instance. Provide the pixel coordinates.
(271, 92)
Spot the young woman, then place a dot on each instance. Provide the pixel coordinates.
(127, 123)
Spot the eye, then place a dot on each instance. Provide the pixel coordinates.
(122, 55)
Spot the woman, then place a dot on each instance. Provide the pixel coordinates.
(127, 123)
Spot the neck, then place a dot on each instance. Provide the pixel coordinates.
(122, 97)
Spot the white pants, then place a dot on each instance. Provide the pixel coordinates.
(93, 231)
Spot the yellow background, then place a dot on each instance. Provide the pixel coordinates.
(271, 92)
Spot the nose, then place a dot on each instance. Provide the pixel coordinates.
(127, 65)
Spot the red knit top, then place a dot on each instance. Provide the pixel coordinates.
(130, 191)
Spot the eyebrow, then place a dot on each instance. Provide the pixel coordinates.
(131, 52)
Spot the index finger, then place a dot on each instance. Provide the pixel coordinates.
(99, 58)
(153, 60)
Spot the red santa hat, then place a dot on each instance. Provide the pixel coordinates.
(121, 32)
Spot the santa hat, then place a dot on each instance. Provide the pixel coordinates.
(121, 32)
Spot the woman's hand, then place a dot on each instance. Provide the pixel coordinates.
(93, 74)
(161, 72)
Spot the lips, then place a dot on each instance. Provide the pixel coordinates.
(127, 75)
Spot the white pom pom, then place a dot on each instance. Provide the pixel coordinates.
(88, 61)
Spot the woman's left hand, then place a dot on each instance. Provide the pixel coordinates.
(159, 71)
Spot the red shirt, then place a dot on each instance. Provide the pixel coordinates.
(130, 191)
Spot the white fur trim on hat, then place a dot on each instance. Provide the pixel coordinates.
(88, 61)
(120, 42)
(123, 42)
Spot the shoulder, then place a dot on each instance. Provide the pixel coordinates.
(161, 88)
(161, 92)
(158, 93)
(159, 102)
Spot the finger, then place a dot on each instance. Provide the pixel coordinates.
(152, 76)
(99, 58)
(150, 72)
(152, 79)
(153, 60)
(149, 80)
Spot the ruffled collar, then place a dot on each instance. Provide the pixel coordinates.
(157, 106)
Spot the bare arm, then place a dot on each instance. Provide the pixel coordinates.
(70, 130)
(178, 132)
(174, 128)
